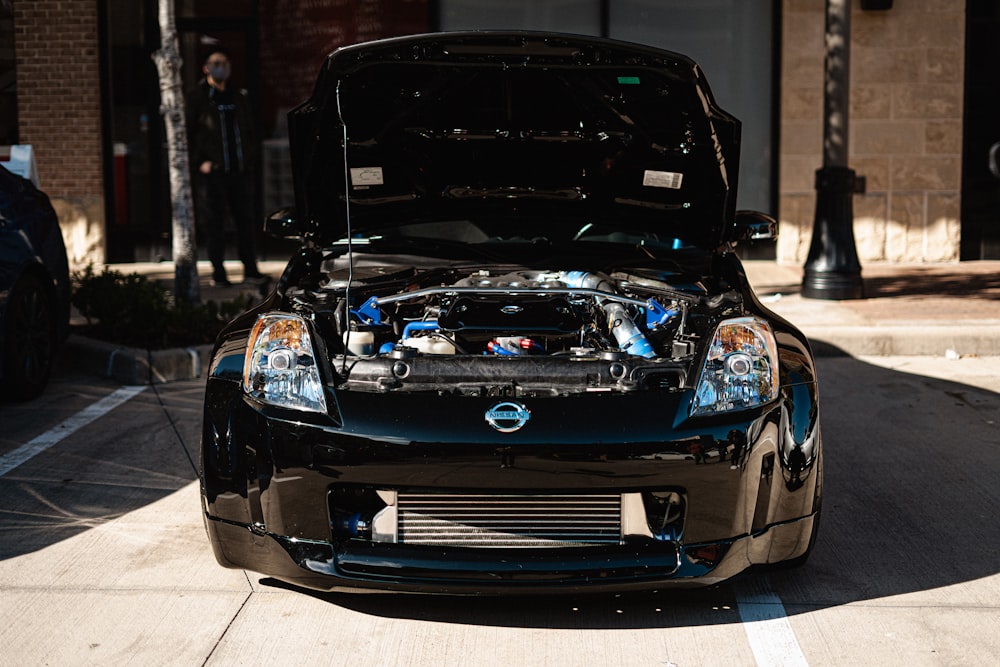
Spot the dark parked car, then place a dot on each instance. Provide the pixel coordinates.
(517, 351)
(34, 287)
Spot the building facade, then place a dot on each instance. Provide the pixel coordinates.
(922, 102)
(906, 107)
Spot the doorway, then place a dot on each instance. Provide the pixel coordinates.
(981, 131)
(138, 210)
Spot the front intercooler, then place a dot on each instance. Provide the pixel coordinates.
(467, 520)
(416, 517)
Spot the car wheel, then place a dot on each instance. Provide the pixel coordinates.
(30, 340)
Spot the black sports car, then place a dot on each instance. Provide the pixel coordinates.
(516, 351)
(34, 288)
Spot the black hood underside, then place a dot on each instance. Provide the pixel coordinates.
(466, 126)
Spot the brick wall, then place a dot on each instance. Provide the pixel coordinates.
(905, 128)
(59, 113)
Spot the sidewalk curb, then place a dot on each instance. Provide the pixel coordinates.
(922, 340)
(135, 366)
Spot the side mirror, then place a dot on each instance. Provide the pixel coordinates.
(283, 224)
(755, 226)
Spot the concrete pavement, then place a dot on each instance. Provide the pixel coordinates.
(104, 560)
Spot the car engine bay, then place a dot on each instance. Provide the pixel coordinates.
(511, 330)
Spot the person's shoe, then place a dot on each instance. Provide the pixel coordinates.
(221, 282)
(256, 278)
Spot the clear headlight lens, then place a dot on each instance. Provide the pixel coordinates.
(280, 366)
(741, 369)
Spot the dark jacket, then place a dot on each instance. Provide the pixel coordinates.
(212, 137)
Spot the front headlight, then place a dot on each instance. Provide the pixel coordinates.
(280, 366)
(741, 368)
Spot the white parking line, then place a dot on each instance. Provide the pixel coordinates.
(764, 620)
(38, 445)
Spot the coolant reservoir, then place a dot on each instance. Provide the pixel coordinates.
(429, 344)
(360, 343)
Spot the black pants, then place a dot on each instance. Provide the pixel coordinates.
(216, 192)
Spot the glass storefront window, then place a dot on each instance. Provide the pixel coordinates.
(732, 41)
(574, 16)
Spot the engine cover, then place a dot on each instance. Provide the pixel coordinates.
(510, 314)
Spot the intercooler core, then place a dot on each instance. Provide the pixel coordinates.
(503, 520)
(509, 521)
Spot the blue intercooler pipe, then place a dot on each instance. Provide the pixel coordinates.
(630, 339)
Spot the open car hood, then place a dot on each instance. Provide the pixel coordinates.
(567, 130)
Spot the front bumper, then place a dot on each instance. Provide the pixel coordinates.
(270, 486)
(320, 566)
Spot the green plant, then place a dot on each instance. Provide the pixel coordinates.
(132, 310)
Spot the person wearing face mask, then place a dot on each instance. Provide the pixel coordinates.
(223, 148)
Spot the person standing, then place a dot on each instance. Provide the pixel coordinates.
(223, 153)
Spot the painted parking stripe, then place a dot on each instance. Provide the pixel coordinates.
(38, 445)
(771, 637)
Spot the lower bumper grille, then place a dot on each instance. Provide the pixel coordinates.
(469, 520)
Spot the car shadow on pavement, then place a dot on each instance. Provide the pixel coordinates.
(909, 508)
(128, 459)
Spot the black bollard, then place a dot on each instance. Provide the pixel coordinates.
(832, 269)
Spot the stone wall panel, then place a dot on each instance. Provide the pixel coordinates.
(927, 100)
(875, 170)
(868, 101)
(794, 233)
(926, 173)
(870, 226)
(943, 227)
(881, 137)
(904, 237)
(943, 136)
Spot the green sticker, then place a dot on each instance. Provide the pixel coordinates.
(628, 80)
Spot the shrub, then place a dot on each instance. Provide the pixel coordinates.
(132, 310)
